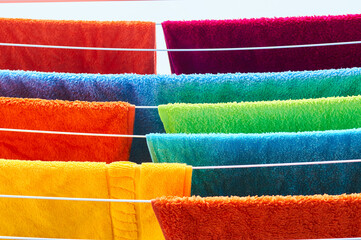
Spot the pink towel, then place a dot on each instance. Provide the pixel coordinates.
(263, 32)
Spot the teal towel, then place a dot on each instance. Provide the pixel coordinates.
(331, 113)
(240, 149)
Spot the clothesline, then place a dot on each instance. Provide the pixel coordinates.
(33, 238)
(146, 107)
(70, 133)
(76, 199)
(200, 167)
(47, 1)
(36, 1)
(276, 164)
(181, 50)
(194, 168)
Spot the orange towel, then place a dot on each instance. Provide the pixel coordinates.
(116, 34)
(268, 217)
(55, 115)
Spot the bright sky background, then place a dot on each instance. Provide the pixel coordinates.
(159, 11)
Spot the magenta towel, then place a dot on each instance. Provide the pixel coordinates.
(263, 32)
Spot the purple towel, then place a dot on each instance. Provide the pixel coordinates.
(263, 32)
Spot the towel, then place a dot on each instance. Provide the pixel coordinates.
(82, 219)
(65, 116)
(152, 90)
(108, 34)
(262, 32)
(266, 116)
(267, 148)
(268, 217)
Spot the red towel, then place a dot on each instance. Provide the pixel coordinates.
(77, 116)
(263, 32)
(117, 34)
(268, 217)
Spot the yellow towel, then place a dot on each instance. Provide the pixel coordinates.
(90, 220)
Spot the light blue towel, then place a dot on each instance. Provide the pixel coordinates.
(236, 149)
(153, 90)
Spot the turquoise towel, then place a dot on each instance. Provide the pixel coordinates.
(234, 149)
(153, 90)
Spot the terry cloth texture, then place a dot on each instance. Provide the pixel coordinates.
(82, 219)
(262, 32)
(65, 116)
(333, 113)
(107, 34)
(243, 149)
(152, 90)
(268, 217)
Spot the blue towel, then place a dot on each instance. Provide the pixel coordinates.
(234, 149)
(153, 90)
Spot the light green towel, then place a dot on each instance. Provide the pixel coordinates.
(261, 117)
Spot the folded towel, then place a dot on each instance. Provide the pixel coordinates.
(56, 115)
(116, 34)
(81, 219)
(263, 32)
(152, 90)
(240, 149)
(260, 117)
(269, 217)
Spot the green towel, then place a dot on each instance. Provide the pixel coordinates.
(319, 114)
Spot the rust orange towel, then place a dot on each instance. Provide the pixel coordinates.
(84, 219)
(267, 217)
(111, 34)
(67, 116)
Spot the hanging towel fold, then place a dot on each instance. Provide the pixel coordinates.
(268, 217)
(263, 32)
(243, 149)
(152, 90)
(107, 34)
(332, 113)
(82, 219)
(66, 116)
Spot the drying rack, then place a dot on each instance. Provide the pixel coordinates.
(151, 107)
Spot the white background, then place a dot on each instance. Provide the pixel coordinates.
(159, 11)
